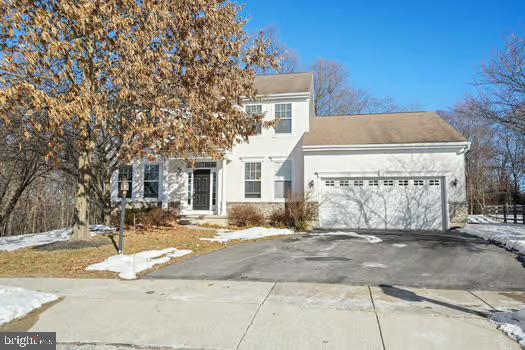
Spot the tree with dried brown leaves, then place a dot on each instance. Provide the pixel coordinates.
(135, 76)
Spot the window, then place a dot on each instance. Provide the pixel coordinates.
(282, 179)
(214, 189)
(373, 183)
(344, 183)
(419, 182)
(329, 183)
(190, 184)
(434, 182)
(255, 110)
(151, 181)
(125, 173)
(358, 183)
(283, 114)
(388, 182)
(199, 165)
(252, 180)
(403, 182)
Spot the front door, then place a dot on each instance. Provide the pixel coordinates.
(201, 190)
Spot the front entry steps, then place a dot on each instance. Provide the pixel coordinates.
(201, 219)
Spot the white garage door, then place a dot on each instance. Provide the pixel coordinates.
(382, 203)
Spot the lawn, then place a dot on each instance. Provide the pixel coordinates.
(60, 261)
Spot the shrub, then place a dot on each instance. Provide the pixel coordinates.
(245, 215)
(279, 218)
(300, 210)
(147, 217)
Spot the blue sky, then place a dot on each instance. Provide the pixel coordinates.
(420, 53)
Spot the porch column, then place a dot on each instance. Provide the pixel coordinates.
(165, 183)
(221, 182)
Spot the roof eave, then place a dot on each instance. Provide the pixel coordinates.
(456, 146)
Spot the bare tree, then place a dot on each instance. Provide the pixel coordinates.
(21, 164)
(481, 160)
(288, 58)
(502, 87)
(334, 95)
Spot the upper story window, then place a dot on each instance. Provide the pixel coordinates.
(283, 115)
(151, 181)
(255, 110)
(252, 180)
(125, 173)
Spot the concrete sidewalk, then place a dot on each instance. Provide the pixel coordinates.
(186, 314)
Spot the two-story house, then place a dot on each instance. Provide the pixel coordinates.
(386, 171)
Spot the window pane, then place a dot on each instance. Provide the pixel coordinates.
(151, 172)
(284, 126)
(258, 128)
(151, 189)
(283, 170)
(282, 188)
(252, 189)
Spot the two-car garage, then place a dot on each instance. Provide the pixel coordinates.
(400, 171)
(382, 203)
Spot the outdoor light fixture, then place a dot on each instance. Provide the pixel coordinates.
(311, 184)
(124, 188)
(454, 182)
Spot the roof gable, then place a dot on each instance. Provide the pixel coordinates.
(283, 83)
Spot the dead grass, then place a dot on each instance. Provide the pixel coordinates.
(71, 263)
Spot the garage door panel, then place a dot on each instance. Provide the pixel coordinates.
(382, 204)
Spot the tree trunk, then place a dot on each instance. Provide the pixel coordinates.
(81, 215)
(107, 199)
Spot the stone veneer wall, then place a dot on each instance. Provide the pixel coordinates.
(458, 212)
(266, 208)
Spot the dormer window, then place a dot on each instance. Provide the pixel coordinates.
(255, 110)
(283, 116)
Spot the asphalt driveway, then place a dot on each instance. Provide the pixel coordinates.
(448, 260)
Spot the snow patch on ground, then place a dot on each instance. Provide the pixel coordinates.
(250, 233)
(511, 323)
(128, 266)
(480, 219)
(399, 245)
(11, 243)
(512, 236)
(368, 238)
(17, 302)
(374, 264)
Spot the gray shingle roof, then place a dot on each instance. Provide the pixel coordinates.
(283, 83)
(417, 127)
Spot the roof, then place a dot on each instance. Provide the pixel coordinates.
(283, 83)
(393, 128)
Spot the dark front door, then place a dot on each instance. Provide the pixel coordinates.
(201, 190)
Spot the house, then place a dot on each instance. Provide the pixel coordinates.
(384, 171)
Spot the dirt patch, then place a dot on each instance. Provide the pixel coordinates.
(72, 245)
(23, 324)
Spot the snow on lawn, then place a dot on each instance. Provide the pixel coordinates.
(11, 243)
(128, 266)
(480, 219)
(250, 233)
(17, 302)
(368, 238)
(512, 324)
(512, 236)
